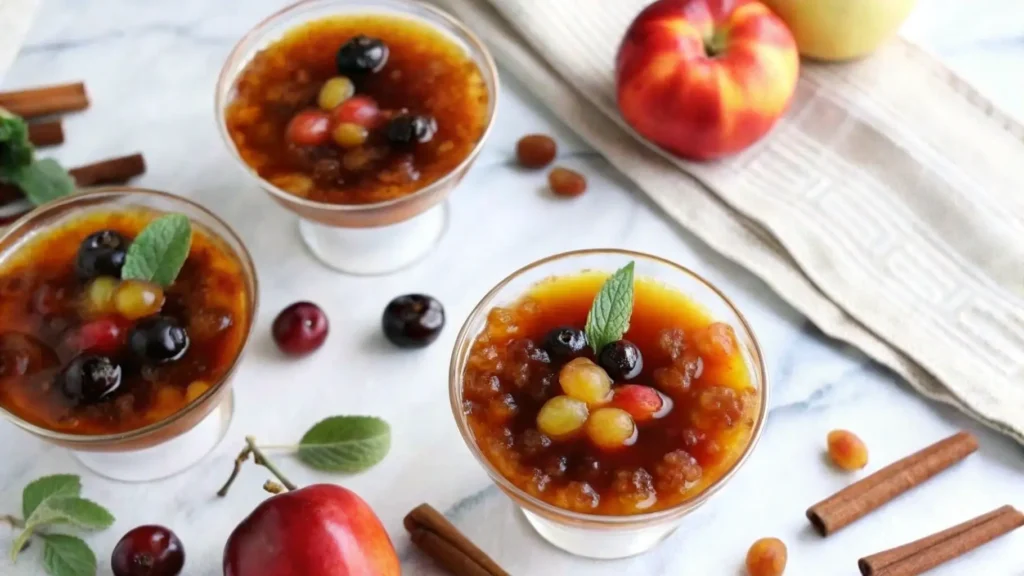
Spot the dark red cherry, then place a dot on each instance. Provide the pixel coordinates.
(413, 320)
(300, 329)
(148, 551)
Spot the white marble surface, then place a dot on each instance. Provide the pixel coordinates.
(150, 69)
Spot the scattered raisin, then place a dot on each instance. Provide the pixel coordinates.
(767, 557)
(565, 182)
(846, 450)
(535, 150)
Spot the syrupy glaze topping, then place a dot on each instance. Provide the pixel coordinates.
(44, 307)
(687, 357)
(426, 74)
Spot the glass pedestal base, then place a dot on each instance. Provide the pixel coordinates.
(601, 544)
(376, 251)
(167, 459)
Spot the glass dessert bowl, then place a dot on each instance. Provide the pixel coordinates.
(608, 427)
(123, 315)
(360, 116)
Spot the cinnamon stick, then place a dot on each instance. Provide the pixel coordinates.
(113, 171)
(927, 553)
(860, 498)
(44, 101)
(49, 133)
(442, 541)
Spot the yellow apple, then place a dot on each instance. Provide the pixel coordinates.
(835, 30)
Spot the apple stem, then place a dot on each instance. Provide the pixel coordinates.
(259, 458)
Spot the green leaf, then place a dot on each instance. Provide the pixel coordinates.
(609, 316)
(65, 555)
(159, 251)
(70, 510)
(42, 181)
(55, 486)
(15, 149)
(345, 443)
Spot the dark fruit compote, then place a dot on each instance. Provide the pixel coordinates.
(358, 109)
(650, 420)
(84, 351)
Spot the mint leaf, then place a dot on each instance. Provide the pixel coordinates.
(65, 555)
(345, 443)
(159, 251)
(46, 487)
(42, 181)
(15, 149)
(609, 316)
(70, 510)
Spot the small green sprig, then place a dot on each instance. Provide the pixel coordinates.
(55, 501)
(40, 180)
(609, 315)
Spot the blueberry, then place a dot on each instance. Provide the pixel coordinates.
(413, 320)
(101, 254)
(565, 343)
(407, 129)
(158, 339)
(90, 379)
(621, 360)
(360, 55)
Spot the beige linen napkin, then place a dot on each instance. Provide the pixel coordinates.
(883, 206)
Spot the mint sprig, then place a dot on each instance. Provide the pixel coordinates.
(609, 315)
(40, 180)
(53, 501)
(159, 251)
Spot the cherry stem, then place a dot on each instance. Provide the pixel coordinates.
(14, 521)
(259, 458)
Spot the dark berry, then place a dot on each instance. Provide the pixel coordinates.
(413, 320)
(101, 254)
(621, 360)
(300, 329)
(148, 551)
(407, 129)
(565, 343)
(158, 339)
(90, 379)
(360, 55)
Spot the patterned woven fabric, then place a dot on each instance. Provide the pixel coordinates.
(883, 207)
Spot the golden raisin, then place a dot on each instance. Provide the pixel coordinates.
(846, 450)
(767, 557)
(565, 182)
(535, 151)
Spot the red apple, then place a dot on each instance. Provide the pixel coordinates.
(322, 530)
(705, 78)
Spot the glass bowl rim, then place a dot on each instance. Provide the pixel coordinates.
(465, 339)
(244, 257)
(489, 72)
